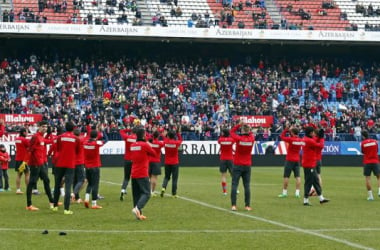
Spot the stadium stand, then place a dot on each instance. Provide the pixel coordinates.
(202, 97)
(313, 14)
(45, 11)
(259, 14)
(363, 17)
(252, 15)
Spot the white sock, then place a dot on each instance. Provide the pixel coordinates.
(284, 191)
(370, 195)
(123, 191)
(62, 191)
(18, 190)
(378, 192)
(94, 203)
(297, 192)
(321, 198)
(305, 200)
(87, 197)
(34, 190)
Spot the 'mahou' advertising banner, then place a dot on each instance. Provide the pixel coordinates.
(21, 118)
(255, 120)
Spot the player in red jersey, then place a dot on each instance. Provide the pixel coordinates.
(67, 149)
(141, 151)
(226, 143)
(92, 163)
(79, 173)
(171, 145)
(22, 144)
(242, 163)
(370, 149)
(318, 168)
(129, 137)
(4, 166)
(295, 144)
(155, 161)
(36, 160)
(309, 163)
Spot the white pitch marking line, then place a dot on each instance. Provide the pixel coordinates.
(297, 229)
(180, 231)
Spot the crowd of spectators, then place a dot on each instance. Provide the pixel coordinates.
(201, 96)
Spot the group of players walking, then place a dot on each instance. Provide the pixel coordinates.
(76, 158)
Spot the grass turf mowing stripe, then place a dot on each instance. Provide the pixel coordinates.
(294, 228)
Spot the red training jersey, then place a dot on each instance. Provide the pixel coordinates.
(141, 151)
(171, 150)
(156, 146)
(92, 154)
(294, 144)
(80, 157)
(370, 149)
(68, 148)
(226, 148)
(22, 145)
(244, 145)
(37, 151)
(320, 149)
(128, 140)
(309, 158)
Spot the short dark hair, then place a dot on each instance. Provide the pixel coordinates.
(294, 131)
(365, 134)
(226, 132)
(42, 123)
(69, 126)
(308, 131)
(77, 131)
(22, 131)
(171, 134)
(140, 134)
(93, 134)
(156, 134)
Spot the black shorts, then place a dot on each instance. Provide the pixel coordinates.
(318, 167)
(17, 165)
(225, 165)
(154, 168)
(371, 168)
(291, 166)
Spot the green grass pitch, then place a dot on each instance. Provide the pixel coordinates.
(201, 218)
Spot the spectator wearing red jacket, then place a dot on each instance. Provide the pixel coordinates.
(242, 163)
(22, 144)
(2, 128)
(155, 161)
(141, 151)
(171, 145)
(309, 163)
(4, 164)
(92, 163)
(370, 149)
(67, 149)
(226, 143)
(36, 159)
(129, 137)
(295, 144)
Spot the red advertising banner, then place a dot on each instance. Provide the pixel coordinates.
(255, 120)
(20, 118)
